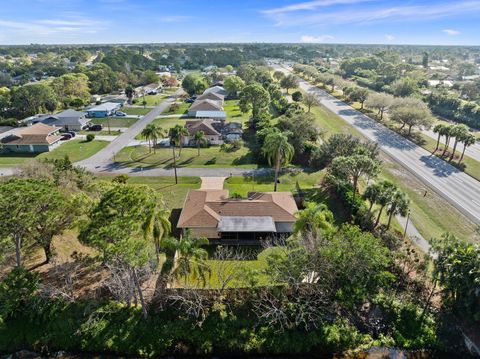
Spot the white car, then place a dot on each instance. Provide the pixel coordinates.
(120, 113)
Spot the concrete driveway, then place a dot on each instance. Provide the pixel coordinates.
(212, 182)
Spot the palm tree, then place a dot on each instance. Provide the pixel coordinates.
(458, 131)
(372, 193)
(448, 130)
(440, 129)
(315, 216)
(468, 140)
(152, 132)
(399, 203)
(157, 226)
(200, 140)
(190, 257)
(278, 150)
(387, 190)
(177, 133)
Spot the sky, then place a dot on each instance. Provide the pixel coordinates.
(430, 22)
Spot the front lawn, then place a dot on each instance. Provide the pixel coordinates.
(166, 123)
(77, 150)
(173, 194)
(181, 109)
(140, 156)
(152, 100)
(115, 121)
(135, 110)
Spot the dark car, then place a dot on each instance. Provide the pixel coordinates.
(189, 100)
(95, 128)
(72, 133)
(66, 136)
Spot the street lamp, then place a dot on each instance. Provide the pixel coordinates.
(406, 224)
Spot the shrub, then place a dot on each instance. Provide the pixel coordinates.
(90, 137)
(297, 96)
(16, 291)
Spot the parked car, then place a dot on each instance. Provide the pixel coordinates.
(97, 127)
(73, 133)
(66, 137)
(189, 100)
(120, 113)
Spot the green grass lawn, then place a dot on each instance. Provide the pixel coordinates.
(173, 194)
(140, 156)
(182, 108)
(113, 132)
(76, 150)
(244, 273)
(165, 123)
(115, 121)
(152, 100)
(135, 110)
(234, 113)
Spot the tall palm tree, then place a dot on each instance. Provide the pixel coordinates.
(177, 133)
(387, 190)
(459, 132)
(157, 226)
(315, 216)
(190, 257)
(200, 140)
(440, 129)
(448, 131)
(278, 151)
(399, 204)
(468, 140)
(372, 193)
(152, 132)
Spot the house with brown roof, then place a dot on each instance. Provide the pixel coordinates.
(223, 220)
(211, 96)
(212, 136)
(208, 109)
(37, 138)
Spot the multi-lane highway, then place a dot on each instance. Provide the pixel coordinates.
(455, 186)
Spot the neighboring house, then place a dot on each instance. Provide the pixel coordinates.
(150, 89)
(216, 89)
(211, 96)
(37, 138)
(68, 120)
(103, 110)
(212, 136)
(207, 109)
(223, 220)
(231, 131)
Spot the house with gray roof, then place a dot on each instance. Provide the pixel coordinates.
(68, 120)
(103, 110)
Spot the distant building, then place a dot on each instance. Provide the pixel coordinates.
(216, 132)
(216, 89)
(37, 138)
(223, 220)
(207, 109)
(103, 110)
(68, 120)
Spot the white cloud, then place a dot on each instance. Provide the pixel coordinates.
(310, 5)
(174, 18)
(389, 37)
(313, 39)
(382, 11)
(451, 32)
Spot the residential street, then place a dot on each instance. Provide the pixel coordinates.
(103, 158)
(458, 188)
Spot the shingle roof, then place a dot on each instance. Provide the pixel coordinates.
(211, 96)
(216, 89)
(38, 134)
(204, 208)
(107, 106)
(202, 125)
(206, 105)
(211, 114)
(67, 117)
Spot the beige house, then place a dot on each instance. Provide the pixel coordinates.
(37, 138)
(262, 216)
(212, 136)
(212, 96)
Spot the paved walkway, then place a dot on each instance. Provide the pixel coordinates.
(212, 182)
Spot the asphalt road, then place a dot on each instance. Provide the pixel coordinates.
(104, 157)
(455, 186)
